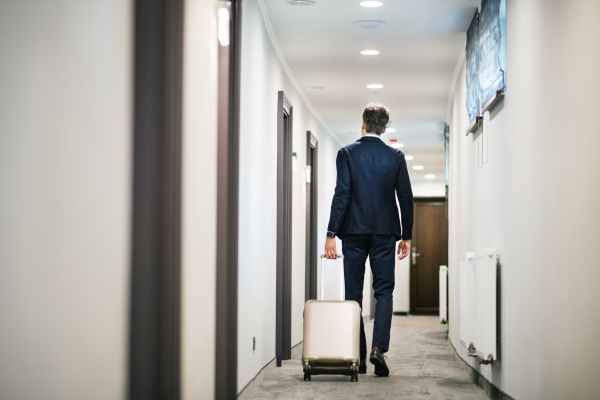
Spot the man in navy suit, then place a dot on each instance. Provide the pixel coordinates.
(364, 215)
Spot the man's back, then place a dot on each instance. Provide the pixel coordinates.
(364, 215)
(369, 175)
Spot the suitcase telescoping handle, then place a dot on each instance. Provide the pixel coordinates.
(342, 285)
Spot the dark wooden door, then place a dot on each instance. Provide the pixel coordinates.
(429, 250)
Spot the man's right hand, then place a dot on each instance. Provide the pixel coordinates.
(330, 251)
(403, 249)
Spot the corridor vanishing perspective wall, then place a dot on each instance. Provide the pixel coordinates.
(199, 200)
(65, 203)
(535, 202)
(263, 75)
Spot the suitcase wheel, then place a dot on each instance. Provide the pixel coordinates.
(307, 371)
(354, 373)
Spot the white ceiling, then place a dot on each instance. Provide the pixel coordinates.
(419, 46)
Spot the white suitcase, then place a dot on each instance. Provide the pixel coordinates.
(331, 335)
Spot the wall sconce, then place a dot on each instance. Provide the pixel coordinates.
(223, 26)
(294, 159)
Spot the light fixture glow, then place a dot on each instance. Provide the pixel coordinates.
(390, 130)
(301, 2)
(417, 167)
(307, 170)
(369, 52)
(397, 145)
(408, 158)
(375, 86)
(371, 4)
(223, 26)
(369, 23)
(429, 176)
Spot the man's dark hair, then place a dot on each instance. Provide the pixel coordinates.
(376, 117)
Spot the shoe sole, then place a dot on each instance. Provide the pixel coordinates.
(380, 369)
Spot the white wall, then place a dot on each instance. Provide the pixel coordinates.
(199, 185)
(262, 77)
(429, 189)
(65, 162)
(402, 288)
(536, 202)
(328, 148)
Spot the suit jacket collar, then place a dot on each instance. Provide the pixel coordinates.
(369, 139)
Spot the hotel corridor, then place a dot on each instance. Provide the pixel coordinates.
(422, 364)
(167, 170)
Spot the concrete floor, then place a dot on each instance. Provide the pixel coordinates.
(421, 364)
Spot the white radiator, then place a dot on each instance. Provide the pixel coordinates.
(443, 294)
(466, 285)
(485, 304)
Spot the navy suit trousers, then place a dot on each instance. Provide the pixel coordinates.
(381, 252)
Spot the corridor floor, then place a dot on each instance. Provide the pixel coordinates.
(421, 363)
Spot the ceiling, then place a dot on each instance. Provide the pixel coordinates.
(419, 46)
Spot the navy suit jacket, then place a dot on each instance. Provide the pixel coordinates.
(369, 176)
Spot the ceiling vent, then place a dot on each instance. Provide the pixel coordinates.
(301, 3)
(370, 24)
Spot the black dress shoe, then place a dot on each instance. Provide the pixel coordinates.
(378, 360)
(362, 369)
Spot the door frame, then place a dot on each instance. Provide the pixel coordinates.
(283, 318)
(226, 348)
(412, 271)
(311, 257)
(155, 302)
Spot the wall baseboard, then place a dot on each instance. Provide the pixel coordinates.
(492, 391)
(400, 312)
(249, 388)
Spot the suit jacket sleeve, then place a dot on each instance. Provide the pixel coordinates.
(341, 198)
(405, 199)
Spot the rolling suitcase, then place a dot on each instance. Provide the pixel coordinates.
(331, 335)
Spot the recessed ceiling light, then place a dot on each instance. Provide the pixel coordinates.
(408, 157)
(390, 130)
(375, 86)
(301, 3)
(417, 167)
(369, 24)
(397, 145)
(371, 4)
(369, 52)
(320, 87)
(429, 176)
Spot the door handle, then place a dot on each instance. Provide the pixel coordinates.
(415, 255)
